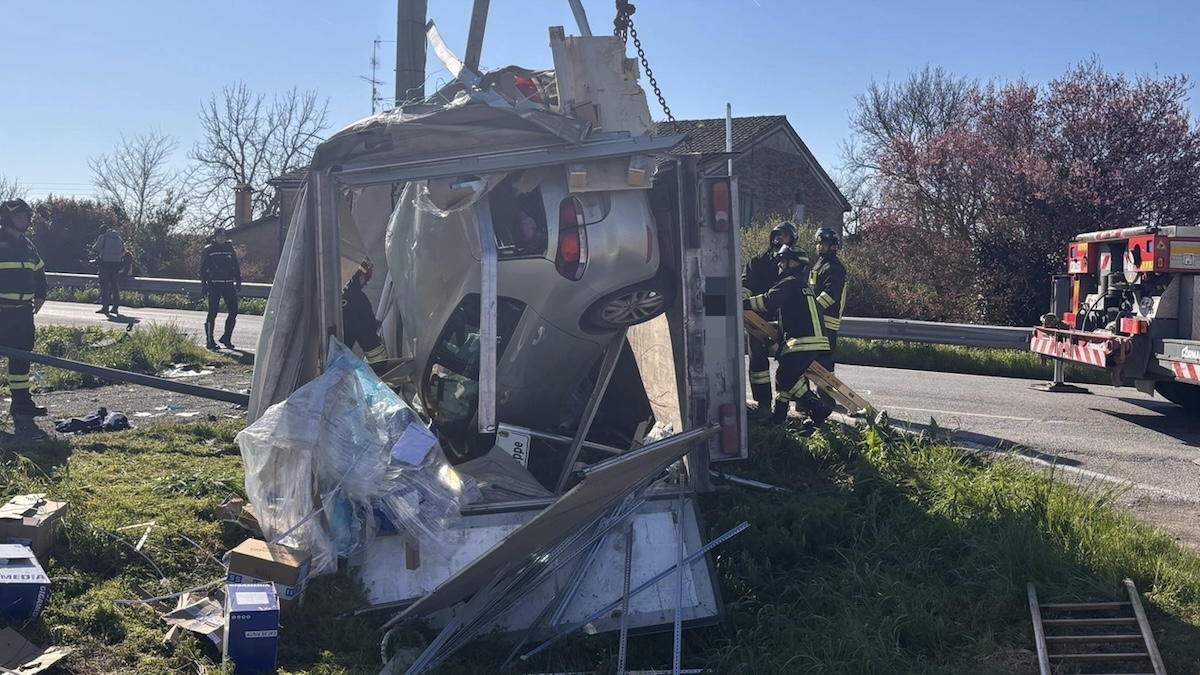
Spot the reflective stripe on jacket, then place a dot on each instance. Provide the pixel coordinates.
(792, 297)
(22, 272)
(828, 279)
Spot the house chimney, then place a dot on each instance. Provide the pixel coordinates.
(242, 196)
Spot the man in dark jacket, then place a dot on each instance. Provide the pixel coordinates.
(828, 279)
(358, 318)
(220, 279)
(762, 271)
(22, 294)
(802, 341)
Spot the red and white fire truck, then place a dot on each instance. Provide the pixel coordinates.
(1130, 304)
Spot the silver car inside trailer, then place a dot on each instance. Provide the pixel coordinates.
(565, 289)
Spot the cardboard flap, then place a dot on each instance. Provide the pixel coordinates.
(23, 506)
(22, 656)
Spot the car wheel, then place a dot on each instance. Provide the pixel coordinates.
(629, 306)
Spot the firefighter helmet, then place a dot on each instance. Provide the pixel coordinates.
(828, 235)
(792, 253)
(12, 207)
(786, 227)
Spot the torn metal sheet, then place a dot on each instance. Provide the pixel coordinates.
(603, 485)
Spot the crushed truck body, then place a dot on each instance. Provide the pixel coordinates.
(561, 292)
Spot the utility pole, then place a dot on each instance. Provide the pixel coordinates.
(410, 49)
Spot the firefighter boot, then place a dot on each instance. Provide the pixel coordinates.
(762, 395)
(208, 334)
(818, 410)
(227, 336)
(23, 405)
(779, 414)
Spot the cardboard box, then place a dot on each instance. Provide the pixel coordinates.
(251, 628)
(30, 520)
(255, 561)
(19, 655)
(24, 586)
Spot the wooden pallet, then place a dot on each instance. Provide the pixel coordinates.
(1094, 635)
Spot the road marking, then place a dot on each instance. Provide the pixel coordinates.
(951, 412)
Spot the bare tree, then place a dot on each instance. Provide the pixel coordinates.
(12, 188)
(925, 104)
(249, 140)
(137, 177)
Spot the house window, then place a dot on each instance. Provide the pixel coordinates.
(746, 208)
(798, 213)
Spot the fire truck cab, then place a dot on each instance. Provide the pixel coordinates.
(1129, 305)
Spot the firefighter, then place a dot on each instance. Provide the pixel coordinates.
(220, 279)
(22, 294)
(828, 280)
(762, 271)
(358, 319)
(802, 341)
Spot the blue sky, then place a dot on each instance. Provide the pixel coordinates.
(79, 73)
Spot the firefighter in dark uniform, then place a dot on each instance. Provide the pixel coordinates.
(220, 279)
(803, 341)
(22, 294)
(358, 319)
(828, 279)
(761, 273)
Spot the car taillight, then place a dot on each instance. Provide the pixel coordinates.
(571, 258)
(719, 205)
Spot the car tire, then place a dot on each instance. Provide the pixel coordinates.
(629, 306)
(1181, 394)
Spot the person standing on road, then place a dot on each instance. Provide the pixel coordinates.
(358, 319)
(828, 279)
(220, 279)
(802, 341)
(761, 273)
(22, 294)
(107, 252)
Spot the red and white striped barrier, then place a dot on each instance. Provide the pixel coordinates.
(1091, 353)
(1186, 371)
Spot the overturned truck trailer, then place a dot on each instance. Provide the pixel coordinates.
(563, 291)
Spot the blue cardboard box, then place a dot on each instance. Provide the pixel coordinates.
(251, 628)
(24, 586)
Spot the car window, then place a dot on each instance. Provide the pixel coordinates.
(452, 380)
(519, 220)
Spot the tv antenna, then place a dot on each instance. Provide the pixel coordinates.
(376, 99)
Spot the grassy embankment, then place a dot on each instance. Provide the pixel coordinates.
(148, 350)
(889, 554)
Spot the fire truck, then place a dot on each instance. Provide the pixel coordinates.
(1129, 304)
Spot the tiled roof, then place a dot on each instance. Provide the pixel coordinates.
(293, 176)
(708, 136)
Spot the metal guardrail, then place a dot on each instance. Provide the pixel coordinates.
(149, 285)
(963, 334)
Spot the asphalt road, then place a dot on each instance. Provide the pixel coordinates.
(245, 333)
(1107, 434)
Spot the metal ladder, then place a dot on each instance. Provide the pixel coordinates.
(1094, 634)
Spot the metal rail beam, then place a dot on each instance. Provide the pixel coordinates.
(125, 376)
(150, 285)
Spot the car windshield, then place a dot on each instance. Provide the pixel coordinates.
(452, 383)
(519, 220)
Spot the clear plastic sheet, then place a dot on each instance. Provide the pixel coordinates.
(347, 437)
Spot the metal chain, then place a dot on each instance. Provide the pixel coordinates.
(623, 28)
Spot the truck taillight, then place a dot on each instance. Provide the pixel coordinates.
(719, 205)
(571, 258)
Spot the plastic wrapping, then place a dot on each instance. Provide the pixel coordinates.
(347, 437)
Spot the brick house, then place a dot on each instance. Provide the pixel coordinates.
(260, 241)
(777, 174)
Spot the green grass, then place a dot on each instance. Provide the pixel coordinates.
(195, 303)
(955, 359)
(890, 554)
(145, 350)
